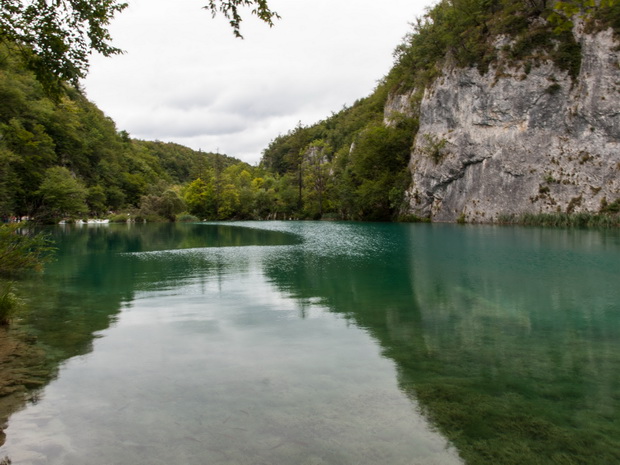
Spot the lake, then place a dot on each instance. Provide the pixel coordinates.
(325, 343)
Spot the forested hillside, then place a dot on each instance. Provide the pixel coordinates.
(60, 156)
(349, 166)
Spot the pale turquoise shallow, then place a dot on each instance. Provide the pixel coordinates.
(326, 343)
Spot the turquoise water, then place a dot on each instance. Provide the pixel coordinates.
(325, 343)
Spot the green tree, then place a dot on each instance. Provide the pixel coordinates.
(263, 197)
(317, 176)
(287, 196)
(165, 205)
(379, 164)
(7, 181)
(344, 184)
(228, 205)
(96, 200)
(35, 153)
(242, 178)
(115, 197)
(60, 35)
(62, 195)
(134, 185)
(199, 198)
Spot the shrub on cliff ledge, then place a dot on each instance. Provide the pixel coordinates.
(463, 32)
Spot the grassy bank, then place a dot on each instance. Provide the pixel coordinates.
(562, 220)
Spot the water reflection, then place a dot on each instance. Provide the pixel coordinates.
(507, 339)
(97, 273)
(217, 365)
(526, 323)
(99, 269)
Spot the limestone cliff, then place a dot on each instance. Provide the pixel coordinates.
(515, 141)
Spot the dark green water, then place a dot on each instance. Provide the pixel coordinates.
(326, 343)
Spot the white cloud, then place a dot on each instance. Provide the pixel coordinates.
(186, 79)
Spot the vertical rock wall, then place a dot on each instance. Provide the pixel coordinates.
(513, 143)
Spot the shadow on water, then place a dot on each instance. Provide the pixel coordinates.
(509, 338)
(98, 270)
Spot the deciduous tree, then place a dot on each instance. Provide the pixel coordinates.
(317, 174)
(62, 194)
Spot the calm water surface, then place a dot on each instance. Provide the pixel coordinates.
(326, 343)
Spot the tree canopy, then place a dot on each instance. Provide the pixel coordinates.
(58, 36)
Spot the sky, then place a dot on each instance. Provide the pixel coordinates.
(185, 78)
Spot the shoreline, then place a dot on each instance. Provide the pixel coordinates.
(23, 370)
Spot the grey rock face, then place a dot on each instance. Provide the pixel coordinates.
(538, 143)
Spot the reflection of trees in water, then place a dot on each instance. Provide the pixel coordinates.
(531, 344)
(487, 327)
(490, 334)
(98, 269)
(22, 370)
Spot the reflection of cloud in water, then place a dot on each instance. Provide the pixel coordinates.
(213, 372)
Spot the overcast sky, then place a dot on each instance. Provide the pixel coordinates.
(184, 77)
